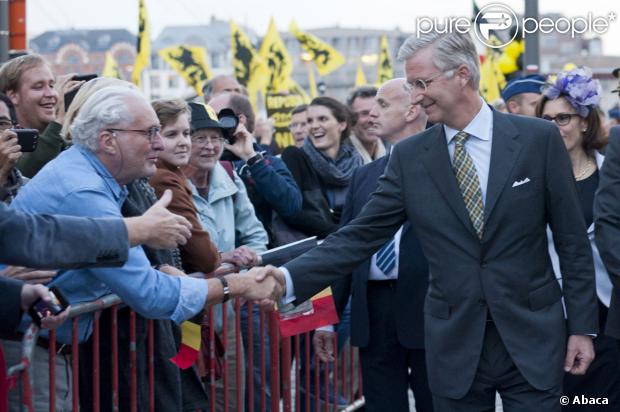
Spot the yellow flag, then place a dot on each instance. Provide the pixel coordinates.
(492, 80)
(190, 62)
(360, 77)
(143, 52)
(250, 68)
(279, 106)
(110, 67)
(326, 58)
(384, 69)
(280, 64)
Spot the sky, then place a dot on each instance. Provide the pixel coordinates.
(43, 15)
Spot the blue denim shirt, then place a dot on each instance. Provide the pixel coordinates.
(76, 183)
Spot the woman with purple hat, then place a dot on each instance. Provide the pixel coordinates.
(571, 103)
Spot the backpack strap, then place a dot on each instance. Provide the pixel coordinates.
(228, 166)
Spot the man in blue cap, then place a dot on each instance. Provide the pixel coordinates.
(521, 94)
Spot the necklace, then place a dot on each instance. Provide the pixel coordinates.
(585, 170)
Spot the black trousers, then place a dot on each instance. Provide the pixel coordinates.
(498, 373)
(602, 380)
(388, 368)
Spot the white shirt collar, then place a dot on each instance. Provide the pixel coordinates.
(480, 126)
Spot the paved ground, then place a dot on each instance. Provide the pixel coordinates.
(498, 403)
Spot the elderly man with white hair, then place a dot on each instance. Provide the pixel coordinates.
(117, 139)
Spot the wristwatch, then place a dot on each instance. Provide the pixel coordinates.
(254, 159)
(225, 287)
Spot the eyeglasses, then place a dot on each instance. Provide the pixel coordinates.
(150, 133)
(203, 140)
(421, 85)
(561, 119)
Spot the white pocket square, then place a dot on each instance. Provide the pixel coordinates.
(521, 182)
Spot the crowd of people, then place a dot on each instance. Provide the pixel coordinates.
(470, 251)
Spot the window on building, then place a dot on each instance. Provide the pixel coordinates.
(155, 83)
(173, 81)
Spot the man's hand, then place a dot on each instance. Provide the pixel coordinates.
(30, 293)
(171, 271)
(579, 354)
(28, 275)
(323, 343)
(264, 292)
(159, 228)
(10, 152)
(241, 257)
(64, 85)
(244, 143)
(261, 274)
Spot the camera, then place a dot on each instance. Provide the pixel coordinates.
(41, 309)
(229, 122)
(27, 139)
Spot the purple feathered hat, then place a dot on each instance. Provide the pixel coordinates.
(578, 87)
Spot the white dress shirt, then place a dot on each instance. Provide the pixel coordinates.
(479, 148)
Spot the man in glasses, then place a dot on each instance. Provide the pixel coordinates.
(479, 188)
(299, 124)
(116, 140)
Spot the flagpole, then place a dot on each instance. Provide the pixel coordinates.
(531, 57)
(306, 58)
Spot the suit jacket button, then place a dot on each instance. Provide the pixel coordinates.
(483, 264)
(482, 302)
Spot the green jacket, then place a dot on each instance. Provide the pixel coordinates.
(50, 145)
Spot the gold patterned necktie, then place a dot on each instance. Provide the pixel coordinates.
(469, 184)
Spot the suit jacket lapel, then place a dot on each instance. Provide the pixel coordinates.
(504, 153)
(437, 163)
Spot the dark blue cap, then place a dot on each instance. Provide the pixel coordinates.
(532, 83)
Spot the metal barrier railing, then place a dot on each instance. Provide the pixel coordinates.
(290, 366)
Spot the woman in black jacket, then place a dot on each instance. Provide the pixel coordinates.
(323, 167)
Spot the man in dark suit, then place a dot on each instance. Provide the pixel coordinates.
(387, 290)
(607, 225)
(479, 188)
(44, 241)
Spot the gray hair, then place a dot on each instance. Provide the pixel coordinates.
(106, 107)
(450, 50)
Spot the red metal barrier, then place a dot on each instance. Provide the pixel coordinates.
(292, 365)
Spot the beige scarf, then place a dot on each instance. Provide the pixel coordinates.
(366, 157)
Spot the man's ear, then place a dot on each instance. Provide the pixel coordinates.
(464, 74)
(412, 112)
(243, 119)
(512, 106)
(14, 96)
(107, 143)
